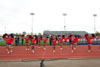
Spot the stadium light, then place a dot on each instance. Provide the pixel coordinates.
(32, 14)
(95, 15)
(64, 14)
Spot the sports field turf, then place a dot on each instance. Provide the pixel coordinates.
(2, 43)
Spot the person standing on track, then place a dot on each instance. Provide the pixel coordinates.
(44, 42)
(8, 43)
(72, 43)
(89, 41)
(69, 37)
(54, 44)
(75, 42)
(27, 43)
(65, 40)
(17, 40)
(61, 42)
(22, 38)
(12, 39)
(33, 44)
(39, 42)
(50, 39)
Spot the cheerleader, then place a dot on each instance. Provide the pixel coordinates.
(54, 44)
(89, 42)
(8, 43)
(72, 43)
(44, 42)
(61, 43)
(27, 43)
(33, 44)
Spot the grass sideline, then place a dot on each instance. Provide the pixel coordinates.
(3, 43)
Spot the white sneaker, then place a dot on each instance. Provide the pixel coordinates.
(61, 48)
(39, 47)
(89, 51)
(44, 48)
(11, 51)
(7, 49)
(28, 49)
(54, 51)
(8, 52)
(72, 51)
(33, 51)
(74, 48)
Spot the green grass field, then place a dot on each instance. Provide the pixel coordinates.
(2, 43)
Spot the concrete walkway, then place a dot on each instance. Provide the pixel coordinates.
(53, 63)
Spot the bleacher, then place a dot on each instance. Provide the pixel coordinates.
(47, 33)
(81, 41)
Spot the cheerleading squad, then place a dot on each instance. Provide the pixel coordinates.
(60, 39)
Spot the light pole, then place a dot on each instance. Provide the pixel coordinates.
(64, 14)
(95, 15)
(32, 20)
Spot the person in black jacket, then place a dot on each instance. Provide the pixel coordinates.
(17, 40)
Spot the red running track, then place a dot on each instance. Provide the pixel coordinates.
(19, 53)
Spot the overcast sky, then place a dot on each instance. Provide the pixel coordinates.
(15, 15)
